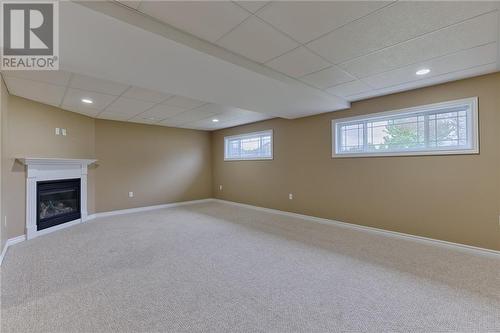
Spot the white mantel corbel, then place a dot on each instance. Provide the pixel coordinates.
(42, 169)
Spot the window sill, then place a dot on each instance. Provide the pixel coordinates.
(409, 154)
(248, 159)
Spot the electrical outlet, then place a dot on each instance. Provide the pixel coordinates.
(290, 196)
(5, 221)
(130, 194)
(58, 131)
(220, 187)
(63, 131)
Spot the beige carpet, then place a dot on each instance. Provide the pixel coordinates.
(214, 267)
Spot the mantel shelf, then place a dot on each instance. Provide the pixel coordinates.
(54, 161)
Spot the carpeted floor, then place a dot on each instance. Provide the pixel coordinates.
(214, 267)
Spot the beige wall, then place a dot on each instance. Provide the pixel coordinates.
(30, 133)
(158, 164)
(453, 198)
(4, 96)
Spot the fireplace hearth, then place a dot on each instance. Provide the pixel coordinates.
(58, 201)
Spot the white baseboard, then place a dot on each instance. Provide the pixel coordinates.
(387, 233)
(146, 208)
(10, 242)
(22, 238)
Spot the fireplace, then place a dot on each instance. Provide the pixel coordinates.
(58, 201)
(56, 193)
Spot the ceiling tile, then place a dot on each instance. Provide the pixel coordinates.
(256, 40)
(242, 115)
(208, 125)
(225, 113)
(188, 126)
(191, 127)
(212, 108)
(87, 111)
(328, 78)
(228, 118)
(146, 95)
(254, 118)
(171, 122)
(101, 86)
(128, 106)
(225, 117)
(204, 124)
(471, 33)
(130, 3)
(252, 6)
(241, 121)
(162, 111)
(37, 91)
(73, 98)
(60, 78)
(208, 20)
(184, 102)
(298, 62)
(144, 120)
(350, 88)
(461, 74)
(196, 114)
(219, 111)
(113, 116)
(451, 63)
(307, 20)
(394, 24)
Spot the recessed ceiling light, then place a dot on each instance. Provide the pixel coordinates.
(87, 101)
(215, 120)
(423, 71)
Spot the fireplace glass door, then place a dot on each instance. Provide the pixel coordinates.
(58, 202)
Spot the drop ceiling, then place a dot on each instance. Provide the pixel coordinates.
(185, 63)
(116, 101)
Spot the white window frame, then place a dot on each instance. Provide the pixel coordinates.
(472, 128)
(246, 135)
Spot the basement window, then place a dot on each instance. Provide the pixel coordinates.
(249, 146)
(435, 129)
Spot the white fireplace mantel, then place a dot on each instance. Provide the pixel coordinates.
(42, 169)
(54, 161)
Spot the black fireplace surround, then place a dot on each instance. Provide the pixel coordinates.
(58, 201)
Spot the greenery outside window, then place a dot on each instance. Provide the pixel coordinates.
(435, 129)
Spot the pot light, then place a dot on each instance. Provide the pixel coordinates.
(87, 101)
(215, 120)
(423, 71)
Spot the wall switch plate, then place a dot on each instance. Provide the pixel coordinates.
(130, 194)
(5, 221)
(58, 131)
(63, 131)
(290, 196)
(220, 187)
